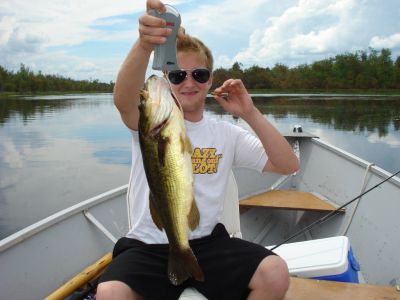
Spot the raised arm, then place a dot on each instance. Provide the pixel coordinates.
(131, 76)
(281, 158)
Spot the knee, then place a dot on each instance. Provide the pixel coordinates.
(271, 276)
(105, 290)
(115, 290)
(280, 275)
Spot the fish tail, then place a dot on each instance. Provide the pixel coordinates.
(182, 265)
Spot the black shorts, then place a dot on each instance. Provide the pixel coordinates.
(228, 265)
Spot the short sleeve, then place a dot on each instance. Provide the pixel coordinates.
(249, 151)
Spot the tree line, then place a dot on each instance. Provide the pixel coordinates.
(27, 81)
(372, 69)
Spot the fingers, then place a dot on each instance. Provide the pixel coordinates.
(181, 32)
(229, 86)
(155, 4)
(153, 30)
(223, 95)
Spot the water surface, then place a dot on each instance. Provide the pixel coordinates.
(58, 150)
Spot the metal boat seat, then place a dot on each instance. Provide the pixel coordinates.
(288, 199)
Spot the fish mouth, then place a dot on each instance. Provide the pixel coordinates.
(156, 130)
(161, 83)
(157, 100)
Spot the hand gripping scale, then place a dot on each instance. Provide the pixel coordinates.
(165, 54)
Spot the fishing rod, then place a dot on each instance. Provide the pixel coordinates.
(332, 213)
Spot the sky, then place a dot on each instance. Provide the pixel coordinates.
(89, 39)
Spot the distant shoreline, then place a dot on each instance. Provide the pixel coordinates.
(254, 92)
(324, 92)
(17, 94)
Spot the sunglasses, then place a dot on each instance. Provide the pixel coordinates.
(178, 76)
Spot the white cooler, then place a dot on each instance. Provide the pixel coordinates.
(326, 259)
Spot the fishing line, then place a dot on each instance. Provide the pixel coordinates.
(333, 213)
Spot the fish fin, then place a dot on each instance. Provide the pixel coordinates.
(161, 146)
(194, 216)
(154, 213)
(182, 265)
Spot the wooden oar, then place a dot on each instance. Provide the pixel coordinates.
(81, 279)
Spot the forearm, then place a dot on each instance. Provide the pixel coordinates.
(281, 158)
(129, 83)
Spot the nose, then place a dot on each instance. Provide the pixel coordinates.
(189, 78)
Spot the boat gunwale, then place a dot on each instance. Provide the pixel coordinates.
(58, 217)
(359, 161)
(68, 212)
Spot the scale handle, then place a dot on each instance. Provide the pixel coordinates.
(165, 54)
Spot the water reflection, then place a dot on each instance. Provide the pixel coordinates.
(56, 151)
(366, 127)
(341, 114)
(28, 108)
(360, 114)
(114, 156)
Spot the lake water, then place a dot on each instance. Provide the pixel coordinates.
(56, 151)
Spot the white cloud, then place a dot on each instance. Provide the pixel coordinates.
(29, 30)
(6, 28)
(229, 17)
(57, 35)
(33, 32)
(311, 30)
(61, 22)
(222, 60)
(392, 41)
(308, 27)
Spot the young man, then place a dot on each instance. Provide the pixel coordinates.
(233, 268)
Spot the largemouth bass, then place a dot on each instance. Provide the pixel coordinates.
(166, 151)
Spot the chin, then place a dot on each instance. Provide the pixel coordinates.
(190, 107)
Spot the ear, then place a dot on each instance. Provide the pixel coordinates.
(210, 81)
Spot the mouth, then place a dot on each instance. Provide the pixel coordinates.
(189, 93)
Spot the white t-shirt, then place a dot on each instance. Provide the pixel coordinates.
(217, 147)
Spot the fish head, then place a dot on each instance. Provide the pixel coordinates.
(156, 105)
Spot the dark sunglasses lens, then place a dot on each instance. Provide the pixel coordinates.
(176, 77)
(201, 75)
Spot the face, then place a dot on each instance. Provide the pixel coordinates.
(190, 93)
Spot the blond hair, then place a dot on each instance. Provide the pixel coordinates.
(191, 44)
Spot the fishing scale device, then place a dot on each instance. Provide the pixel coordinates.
(165, 54)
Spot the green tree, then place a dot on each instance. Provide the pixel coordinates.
(26, 81)
(257, 78)
(397, 73)
(236, 71)
(219, 76)
(280, 76)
